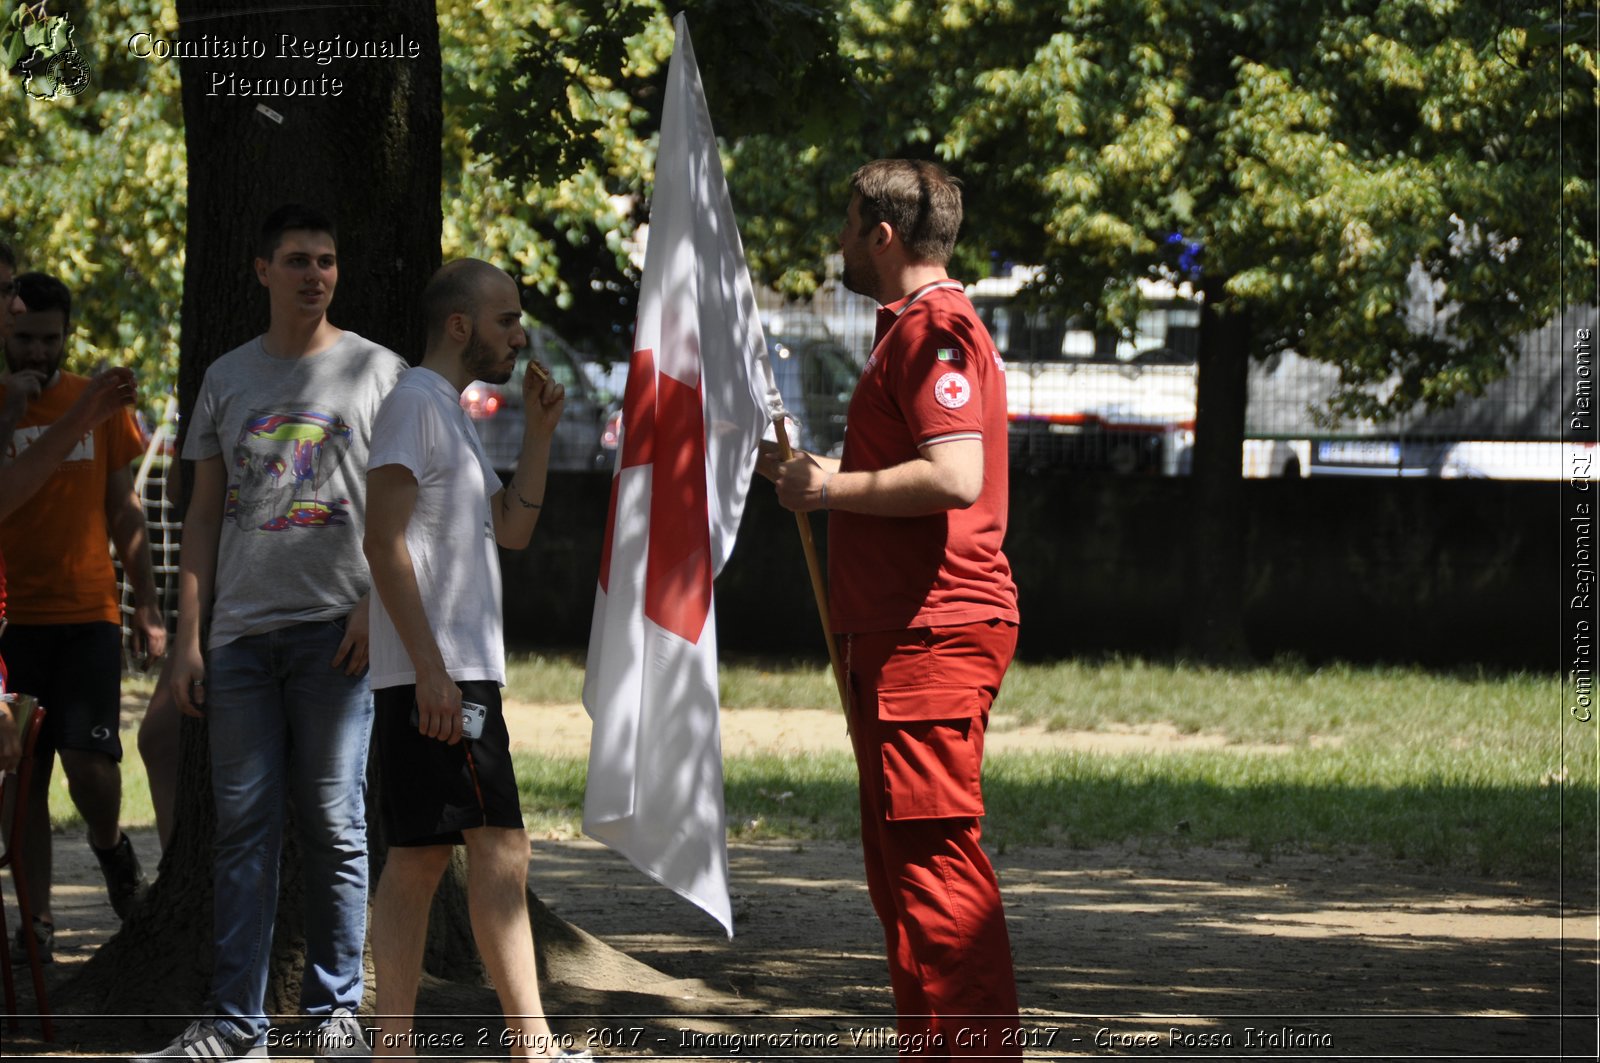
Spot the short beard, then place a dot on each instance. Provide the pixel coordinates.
(50, 372)
(861, 285)
(483, 363)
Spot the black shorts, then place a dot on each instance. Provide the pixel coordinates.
(429, 791)
(75, 670)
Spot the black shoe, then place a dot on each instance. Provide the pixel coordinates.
(125, 883)
(44, 935)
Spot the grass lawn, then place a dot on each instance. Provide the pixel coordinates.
(1481, 772)
(1478, 772)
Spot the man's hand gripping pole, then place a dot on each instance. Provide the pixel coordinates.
(819, 587)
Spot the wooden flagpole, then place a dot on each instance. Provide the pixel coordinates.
(819, 587)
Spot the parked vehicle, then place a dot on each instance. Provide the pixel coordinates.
(1511, 432)
(816, 377)
(1446, 459)
(1080, 399)
(496, 410)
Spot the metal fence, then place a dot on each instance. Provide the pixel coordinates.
(1520, 428)
(1086, 401)
(1080, 401)
(150, 483)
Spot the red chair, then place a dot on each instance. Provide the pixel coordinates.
(14, 802)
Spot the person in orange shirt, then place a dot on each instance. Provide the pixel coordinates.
(110, 392)
(63, 643)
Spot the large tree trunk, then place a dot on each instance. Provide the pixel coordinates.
(370, 156)
(1213, 627)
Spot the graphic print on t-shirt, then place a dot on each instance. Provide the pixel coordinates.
(23, 438)
(280, 463)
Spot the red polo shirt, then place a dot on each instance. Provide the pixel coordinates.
(934, 376)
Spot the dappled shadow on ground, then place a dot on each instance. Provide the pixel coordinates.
(1197, 952)
(1204, 949)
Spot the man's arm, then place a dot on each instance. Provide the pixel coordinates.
(105, 395)
(21, 389)
(516, 506)
(769, 459)
(131, 536)
(391, 499)
(197, 576)
(946, 476)
(10, 740)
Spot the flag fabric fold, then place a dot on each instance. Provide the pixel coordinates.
(693, 413)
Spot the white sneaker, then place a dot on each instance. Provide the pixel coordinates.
(340, 1037)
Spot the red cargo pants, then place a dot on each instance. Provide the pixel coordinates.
(919, 703)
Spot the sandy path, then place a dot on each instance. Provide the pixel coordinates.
(563, 730)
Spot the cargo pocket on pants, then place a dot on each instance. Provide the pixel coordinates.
(931, 742)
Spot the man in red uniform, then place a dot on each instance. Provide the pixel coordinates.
(924, 602)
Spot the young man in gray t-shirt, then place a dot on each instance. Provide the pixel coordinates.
(272, 558)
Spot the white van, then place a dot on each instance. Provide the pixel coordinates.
(1080, 399)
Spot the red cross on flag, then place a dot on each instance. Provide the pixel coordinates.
(692, 415)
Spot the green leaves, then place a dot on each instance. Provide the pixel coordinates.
(552, 113)
(1331, 159)
(11, 47)
(538, 111)
(1319, 156)
(95, 190)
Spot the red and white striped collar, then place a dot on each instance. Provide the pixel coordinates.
(889, 316)
(901, 307)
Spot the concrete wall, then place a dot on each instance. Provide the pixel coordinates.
(1435, 572)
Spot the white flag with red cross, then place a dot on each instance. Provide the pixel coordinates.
(693, 413)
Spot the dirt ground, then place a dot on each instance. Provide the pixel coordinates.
(1160, 952)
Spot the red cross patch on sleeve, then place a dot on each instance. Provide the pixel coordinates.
(952, 391)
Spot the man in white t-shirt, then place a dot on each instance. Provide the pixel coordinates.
(435, 512)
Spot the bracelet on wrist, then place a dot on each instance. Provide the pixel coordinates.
(825, 483)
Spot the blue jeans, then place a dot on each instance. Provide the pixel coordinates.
(284, 723)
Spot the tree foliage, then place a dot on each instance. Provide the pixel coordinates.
(547, 148)
(1320, 165)
(94, 192)
(552, 120)
(551, 112)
